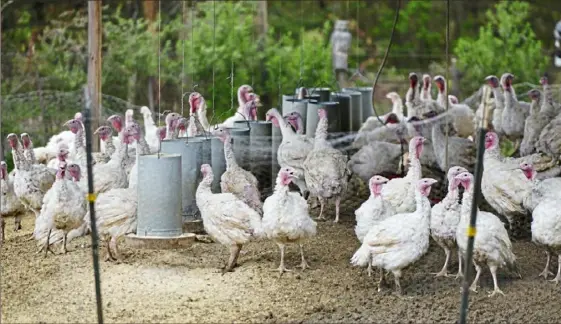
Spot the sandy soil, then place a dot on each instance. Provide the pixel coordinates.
(186, 286)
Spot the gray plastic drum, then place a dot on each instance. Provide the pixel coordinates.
(261, 148)
(345, 113)
(324, 93)
(332, 109)
(276, 139)
(159, 195)
(240, 145)
(356, 109)
(218, 162)
(366, 98)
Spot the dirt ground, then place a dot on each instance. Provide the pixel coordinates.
(186, 286)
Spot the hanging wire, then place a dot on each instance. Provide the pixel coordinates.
(279, 80)
(384, 60)
(183, 36)
(255, 14)
(358, 74)
(232, 84)
(213, 57)
(447, 78)
(193, 85)
(301, 40)
(159, 68)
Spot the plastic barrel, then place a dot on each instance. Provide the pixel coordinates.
(356, 109)
(218, 162)
(332, 109)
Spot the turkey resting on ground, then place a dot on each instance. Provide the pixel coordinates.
(286, 218)
(400, 240)
(492, 244)
(227, 219)
(325, 169)
(372, 211)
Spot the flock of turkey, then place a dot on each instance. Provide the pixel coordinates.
(394, 225)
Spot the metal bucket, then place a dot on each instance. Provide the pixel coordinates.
(276, 141)
(159, 195)
(240, 138)
(332, 109)
(190, 153)
(218, 162)
(366, 98)
(356, 109)
(324, 93)
(345, 113)
(260, 137)
(290, 104)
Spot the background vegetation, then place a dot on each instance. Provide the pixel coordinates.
(44, 50)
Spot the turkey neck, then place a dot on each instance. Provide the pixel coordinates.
(423, 207)
(467, 201)
(397, 108)
(547, 102)
(285, 129)
(122, 152)
(535, 107)
(79, 146)
(320, 139)
(203, 190)
(229, 155)
(510, 99)
(499, 98)
(452, 195)
(20, 162)
(142, 146)
(441, 93)
(109, 146)
(30, 153)
(169, 131)
(201, 114)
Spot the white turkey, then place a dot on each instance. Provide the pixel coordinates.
(235, 179)
(150, 129)
(444, 220)
(499, 100)
(400, 192)
(426, 88)
(9, 203)
(491, 244)
(461, 114)
(31, 181)
(49, 152)
(171, 125)
(227, 219)
(286, 219)
(372, 211)
(242, 113)
(296, 121)
(66, 206)
(541, 190)
(415, 106)
(293, 149)
(142, 148)
(515, 112)
(373, 122)
(399, 240)
(105, 134)
(198, 109)
(325, 169)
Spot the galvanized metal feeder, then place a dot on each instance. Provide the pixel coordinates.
(345, 113)
(159, 219)
(332, 109)
(366, 98)
(356, 118)
(240, 138)
(323, 93)
(218, 162)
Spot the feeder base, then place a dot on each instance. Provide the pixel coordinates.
(160, 243)
(193, 226)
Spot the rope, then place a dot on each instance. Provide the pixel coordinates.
(213, 56)
(447, 78)
(159, 68)
(385, 59)
(183, 51)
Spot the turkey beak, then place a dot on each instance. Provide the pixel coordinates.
(432, 181)
(67, 123)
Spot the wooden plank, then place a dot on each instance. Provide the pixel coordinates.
(94, 66)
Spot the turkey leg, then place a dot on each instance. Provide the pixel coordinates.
(2, 225)
(109, 255)
(546, 271)
(496, 289)
(459, 274)
(382, 280)
(322, 205)
(47, 246)
(396, 276)
(234, 252)
(64, 239)
(473, 286)
(304, 264)
(444, 271)
(281, 269)
(337, 208)
(558, 276)
(113, 245)
(17, 223)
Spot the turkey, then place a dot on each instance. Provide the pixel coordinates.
(31, 181)
(491, 245)
(461, 151)
(198, 108)
(548, 105)
(47, 153)
(485, 109)
(426, 88)
(227, 219)
(372, 211)
(28, 151)
(400, 240)
(515, 112)
(235, 179)
(377, 158)
(415, 106)
(105, 134)
(462, 115)
(546, 218)
(373, 122)
(400, 192)
(547, 189)
(390, 132)
(499, 101)
(9, 203)
(171, 123)
(64, 207)
(444, 220)
(534, 124)
(504, 187)
(150, 129)
(293, 149)
(325, 169)
(296, 121)
(129, 151)
(241, 113)
(142, 148)
(285, 217)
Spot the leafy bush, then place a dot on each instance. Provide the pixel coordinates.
(506, 43)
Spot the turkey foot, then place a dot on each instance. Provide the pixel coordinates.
(281, 269)
(47, 246)
(234, 253)
(556, 280)
(322, 205)
(109, 255)
(369, 269)
(17, 224)
(382, 281)
(546, 271)
(304, 264)
(495, 291)
(398, 290)
(337, 209)
(113, 246)
(444, 271)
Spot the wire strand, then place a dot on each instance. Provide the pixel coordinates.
(159, 68)
(301, 39)
(183, 51)
(447, 78)
(213, 58)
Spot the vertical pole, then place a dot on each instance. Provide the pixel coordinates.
(93, 104)
(94, 64)
(262, 29)
(1, 140)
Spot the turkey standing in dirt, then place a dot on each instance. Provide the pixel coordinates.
(325, 169)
